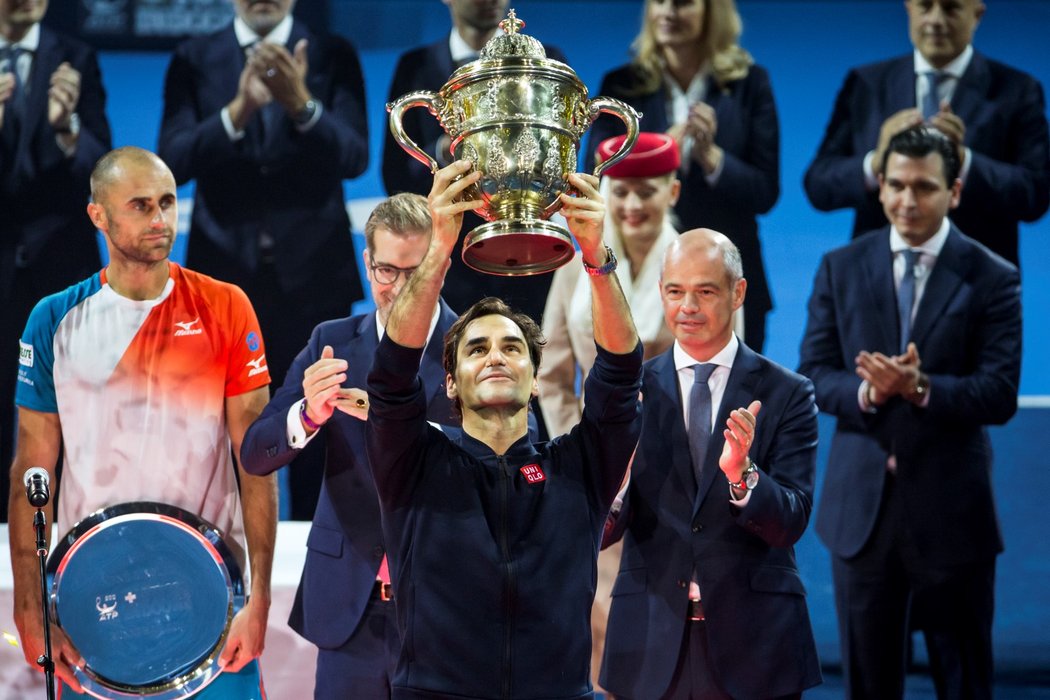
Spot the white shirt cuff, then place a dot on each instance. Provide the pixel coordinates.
(685, 155)
(967, 161)
(739, 503)
(870, 181)
(617, 504)
(862, 398)
(716, 174)
(227, 124)
(297, 437)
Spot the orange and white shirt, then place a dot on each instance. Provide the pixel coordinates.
(141, 387)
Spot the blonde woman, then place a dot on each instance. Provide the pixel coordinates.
(690, 78)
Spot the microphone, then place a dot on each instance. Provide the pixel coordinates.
(38, 486)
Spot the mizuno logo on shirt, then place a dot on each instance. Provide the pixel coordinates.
(25, 354)
(186, 327)
(257, 365)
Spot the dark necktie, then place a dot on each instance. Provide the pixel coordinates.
(269, 115)
(931, 103)
(906, 296)
(14, 106)
(700, 416)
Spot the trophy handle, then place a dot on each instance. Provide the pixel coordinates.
(628, 115)
(397, 109)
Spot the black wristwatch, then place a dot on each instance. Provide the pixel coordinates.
(748, 480)
(304, 115)
(918, 393)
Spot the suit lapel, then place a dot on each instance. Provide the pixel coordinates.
(878, 279)
(663, 410)
(900, 86)
(971, 92)
(442, 66)
(34, 110)
(363, 348)
(740, 392)
(945, 279)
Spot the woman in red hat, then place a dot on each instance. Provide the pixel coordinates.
(639, 191)
(691, 79)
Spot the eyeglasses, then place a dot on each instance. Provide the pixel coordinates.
(389, 274)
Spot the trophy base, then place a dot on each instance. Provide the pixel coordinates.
(515, 248)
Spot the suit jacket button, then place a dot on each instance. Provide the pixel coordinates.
(377, 552)
(683, 584)
(697, 528)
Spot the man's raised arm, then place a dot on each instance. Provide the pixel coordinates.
(409, 324)
(613, 325)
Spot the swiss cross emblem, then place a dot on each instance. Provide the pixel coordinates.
(533, 474)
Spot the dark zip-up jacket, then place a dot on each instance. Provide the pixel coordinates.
(493, 556)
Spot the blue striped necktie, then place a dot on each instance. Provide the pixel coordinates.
(700, 415)
(931, 102)
(906, 295)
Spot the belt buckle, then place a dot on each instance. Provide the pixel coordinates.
(385, 591)
(696, 611)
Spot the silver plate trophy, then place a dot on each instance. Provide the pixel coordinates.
(519, 117)
(146, 592)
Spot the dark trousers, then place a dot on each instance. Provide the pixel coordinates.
(364, 666)
(693, 678)
(877, 591)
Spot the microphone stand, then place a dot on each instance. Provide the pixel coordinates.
(45, 661)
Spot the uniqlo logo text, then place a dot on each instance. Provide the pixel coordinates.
(533, 474)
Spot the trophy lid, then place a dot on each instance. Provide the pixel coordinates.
(512, 44)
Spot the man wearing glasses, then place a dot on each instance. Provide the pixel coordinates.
(343, 604)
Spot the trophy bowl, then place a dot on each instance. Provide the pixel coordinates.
(146, 592)
(518, 116)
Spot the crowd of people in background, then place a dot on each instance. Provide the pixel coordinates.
(430, 447)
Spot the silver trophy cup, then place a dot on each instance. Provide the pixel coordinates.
(519, 117)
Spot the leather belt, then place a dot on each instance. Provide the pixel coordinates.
(382, 591)
(695, 611)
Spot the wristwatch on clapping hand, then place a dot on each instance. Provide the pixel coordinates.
(748, 479)
(918, 393)
(304, 115)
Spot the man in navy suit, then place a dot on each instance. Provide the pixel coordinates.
(428, 68)
(914, 345)
(342, 604)
(269, 119)
(994, 114)
(53, 128)
(708, 602)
